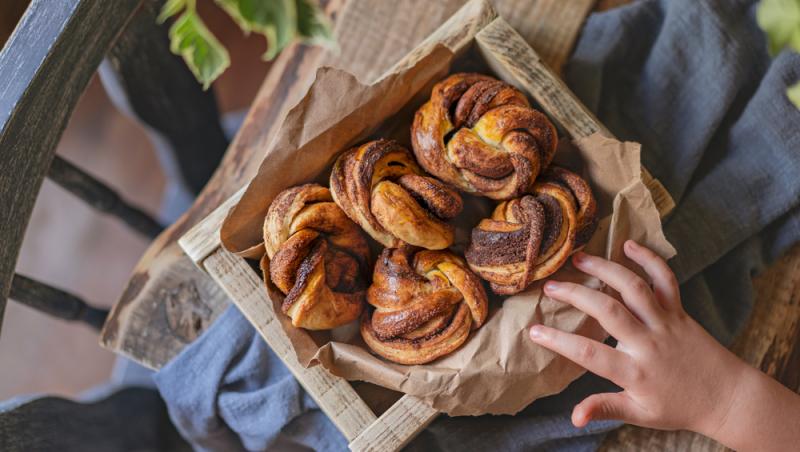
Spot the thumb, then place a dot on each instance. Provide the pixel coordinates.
(609, 405)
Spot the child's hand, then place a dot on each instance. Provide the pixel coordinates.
(674, 374)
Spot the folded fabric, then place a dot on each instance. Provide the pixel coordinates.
(689, 79)
(692, 81)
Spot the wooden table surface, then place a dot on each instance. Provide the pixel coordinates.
(169, 302)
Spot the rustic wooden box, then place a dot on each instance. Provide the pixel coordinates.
(373, 418)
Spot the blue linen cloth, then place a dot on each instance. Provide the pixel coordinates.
(691, 81)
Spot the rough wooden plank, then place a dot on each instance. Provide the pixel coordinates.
(44, 66)
(396, 427)
(203, 239)
(551, 27)
(510, 56)
(183, 302)
(334, 395)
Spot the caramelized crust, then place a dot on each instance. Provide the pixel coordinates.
(425, 304)
(381, 187)
(530, 237)
(481, 135)
(315, 256)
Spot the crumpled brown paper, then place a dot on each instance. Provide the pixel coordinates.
(498, 370)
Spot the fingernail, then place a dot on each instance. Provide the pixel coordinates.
(633, 246)
(537, 332)
(580, 258)
(551, 286)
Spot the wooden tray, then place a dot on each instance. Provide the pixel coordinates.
(373, 418)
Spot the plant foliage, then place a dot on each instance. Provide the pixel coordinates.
(279, 21)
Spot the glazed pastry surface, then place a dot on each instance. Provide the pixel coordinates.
(425, 305)
(481, 135)
(316, 256)
(380, 186)
(530, 237)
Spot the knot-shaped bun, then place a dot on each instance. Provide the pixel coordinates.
(530, 237)
(425, 304)
(481, 135)
(380, 186)
(316, 256)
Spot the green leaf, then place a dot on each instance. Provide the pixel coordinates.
(275, 19)
(204, 55)
(312, 25)
(780, 20)
(793, 93)
(170, 8)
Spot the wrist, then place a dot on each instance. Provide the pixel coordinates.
(730, 387)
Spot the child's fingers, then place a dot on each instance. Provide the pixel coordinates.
(609, 405)
(612, 315)
(591, 355)
(636, 293)
(665, 285)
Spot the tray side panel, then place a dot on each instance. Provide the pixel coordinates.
(396, 427)
(203, 238)
(334, 395)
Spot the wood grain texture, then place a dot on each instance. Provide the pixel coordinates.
(203, 239)
(551, 27)
(44, 66)
(184, 301)
(334, 395)
(396, 427)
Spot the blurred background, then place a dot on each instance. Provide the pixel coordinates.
(73, 247)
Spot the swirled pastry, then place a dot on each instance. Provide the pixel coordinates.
(530, 237)
(380, 186)
(481, 135)
(316, 256)
(425, 305)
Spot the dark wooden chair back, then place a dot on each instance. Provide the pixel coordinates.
(45, 66)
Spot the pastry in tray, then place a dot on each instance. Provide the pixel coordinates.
(423, 305)
(316, 257)
(481, 135)
(380, 186)
(530, 237)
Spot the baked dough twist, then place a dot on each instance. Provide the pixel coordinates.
(425, 304)
(316, 256)
(481, 135)
(381, 187)
(530, 237)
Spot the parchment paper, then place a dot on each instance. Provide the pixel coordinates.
(498, 370)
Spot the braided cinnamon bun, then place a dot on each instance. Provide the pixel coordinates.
(425, 304)
(315, 256)
(530, 237)
(380, 186)
(481, 135)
